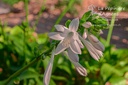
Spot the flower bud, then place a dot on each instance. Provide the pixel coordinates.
(87, 24)
(101, 32)
(96, 43)
(93, 38)
(85, 35)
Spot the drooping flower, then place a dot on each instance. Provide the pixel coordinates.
(94, 46)
(75, 60)
(69, 40)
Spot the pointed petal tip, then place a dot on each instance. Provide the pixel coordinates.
(73, 26)
(59, 28)
(82, 71)
(55, 35)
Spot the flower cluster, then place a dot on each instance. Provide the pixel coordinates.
(72, 42)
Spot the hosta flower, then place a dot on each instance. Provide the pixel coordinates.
(94, 46)
(68, 37)
(69, 40)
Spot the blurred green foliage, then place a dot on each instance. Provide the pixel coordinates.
(63, 3)
(118, 3)
(11, 2)
(18, 46)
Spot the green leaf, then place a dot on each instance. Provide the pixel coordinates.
(85, 16)
(39, 82)
(107, 71)
(30, 73)
(67, 23)
(59, 78)
(16, 30)
(1, 46)
(42, 38)
(52, 82)
(65, 68)
(116, 80)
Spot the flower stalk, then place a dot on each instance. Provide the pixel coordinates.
(111, 28)
(63, 13)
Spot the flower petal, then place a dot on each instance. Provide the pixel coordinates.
(75, 47)
(82, 71)
(96, 43)
(76, 37)
(72, 56)
(80, 44)
(93, 38)
(59, 28)
(93, 52)
(100, 53)
(60, 48)
(98, 46)
(56, 35)
(74, 24)
(48, 70)
(85, 35)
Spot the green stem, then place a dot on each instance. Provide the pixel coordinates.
(111, 28)
(40, 12)
(25, 67)
(63, 13)
(27, 12)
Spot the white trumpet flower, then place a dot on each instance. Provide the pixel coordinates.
(69, 37)
(94, 46)
(69, 40)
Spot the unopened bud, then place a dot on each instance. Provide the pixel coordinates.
(93, 38)
(87, 24)
(101, 32)
(96, 43)
(85, 35)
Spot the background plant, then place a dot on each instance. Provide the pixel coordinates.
(20, 45)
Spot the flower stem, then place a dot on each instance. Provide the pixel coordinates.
(39, 14)
(111, 28)
(63, 13)
(27, 12)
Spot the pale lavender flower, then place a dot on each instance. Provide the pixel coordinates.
(69, 40)
(68, 37)
(94, 46)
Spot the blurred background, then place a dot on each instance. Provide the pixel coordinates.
(24, 25)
